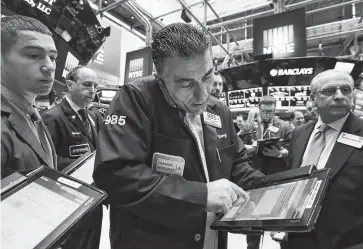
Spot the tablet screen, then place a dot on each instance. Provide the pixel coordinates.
(85, 171)
(36, 210)
(277, 202)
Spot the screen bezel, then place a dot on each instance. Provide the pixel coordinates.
(69, 224)
(304, 224)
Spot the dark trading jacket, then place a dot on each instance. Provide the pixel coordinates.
(154, 210)
(68, 134)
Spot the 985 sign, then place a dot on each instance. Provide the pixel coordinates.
(115, 119)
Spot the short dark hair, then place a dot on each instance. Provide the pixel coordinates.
(293, 114)
(178, 40)
(10, 25)
(73, 74)
(267, 100)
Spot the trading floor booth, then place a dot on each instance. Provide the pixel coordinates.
(287, 80)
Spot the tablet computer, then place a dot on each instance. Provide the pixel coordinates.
(285, 204)
(40, 212)
(82, 168)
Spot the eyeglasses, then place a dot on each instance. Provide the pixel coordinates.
(268, 111)
(88, 85)
(331, 90)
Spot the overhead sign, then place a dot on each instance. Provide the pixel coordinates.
(292, 71)
(283, 35)
(74, 21)
(138, 64)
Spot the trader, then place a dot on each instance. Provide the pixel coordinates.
(72, 126)
(28, 56)
(297, 119)
(74, 130)
(217, 88)
(334, 141)
(167, 152)
(358, 97)
(270, 159)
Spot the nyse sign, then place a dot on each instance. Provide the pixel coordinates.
(279, 40)
(136, 69)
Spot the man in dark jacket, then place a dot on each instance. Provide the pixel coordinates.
(28, 56)
(74, 130)
(168, 152)
(72, 126)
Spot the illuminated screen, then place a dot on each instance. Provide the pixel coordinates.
(37, 209)
(344, 66)
(279, 202)
(283, 35)
(108, 93)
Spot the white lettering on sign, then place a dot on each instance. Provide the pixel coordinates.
(71, 62)
(115, 119)
(294, 71)
(283, 49)
(279, 40)
(43, 5)
(99, 59)
(136, 68)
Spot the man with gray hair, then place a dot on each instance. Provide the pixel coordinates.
(333, 141)
(28, 61)
(168, 153)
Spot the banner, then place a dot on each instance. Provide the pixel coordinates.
(74, 21)
(283, 35)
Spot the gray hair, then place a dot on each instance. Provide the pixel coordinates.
(10, 25)
(331, 74)
(178, 40)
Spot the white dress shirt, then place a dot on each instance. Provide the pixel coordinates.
(331, 136)
(76, 108)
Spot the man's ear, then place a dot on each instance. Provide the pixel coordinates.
(69, 85)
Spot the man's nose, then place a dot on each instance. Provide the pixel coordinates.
(338, 94)
(48, 66)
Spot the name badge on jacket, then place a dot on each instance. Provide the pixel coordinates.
(212, 119)
(78, 150)
(274, 129)
(168, 164)
(351, 140)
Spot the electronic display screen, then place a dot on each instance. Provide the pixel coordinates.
(27, 211)
(85, 171)
(278, 202)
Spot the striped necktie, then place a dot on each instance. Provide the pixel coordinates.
(84, 115)
(211, 236)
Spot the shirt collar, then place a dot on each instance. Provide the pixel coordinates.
(336, 125)
(18, 101)
(73, 105)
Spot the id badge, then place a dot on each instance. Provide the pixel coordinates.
(168, 164)
(212, 119)
(274, 129)
(78, 150)
(350, 140)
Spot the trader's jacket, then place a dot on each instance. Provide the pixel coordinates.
(156, 210)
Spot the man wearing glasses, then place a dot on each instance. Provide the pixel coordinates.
(358, 98)
(270, 159)
(334, 141)
(72, 126)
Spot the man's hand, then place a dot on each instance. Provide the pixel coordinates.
(221, 195)
(273, 151)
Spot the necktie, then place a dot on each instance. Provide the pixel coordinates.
(85, 121)
(317, 146)
(211, 236)
(40, 128)
(265, 127)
